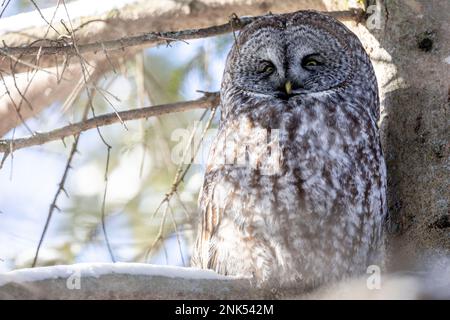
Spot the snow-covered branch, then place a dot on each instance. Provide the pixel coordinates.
(121, 281)
(144, 282)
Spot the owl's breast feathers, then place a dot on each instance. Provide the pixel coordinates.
(294, 190)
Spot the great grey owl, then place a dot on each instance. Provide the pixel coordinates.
(294, 190)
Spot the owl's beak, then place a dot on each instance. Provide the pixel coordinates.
(288, 87)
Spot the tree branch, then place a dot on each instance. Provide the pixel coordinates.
(211, 99)
(128, 281)
(155, 38)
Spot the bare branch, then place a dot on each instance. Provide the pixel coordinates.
(210, 100)
(155, 38)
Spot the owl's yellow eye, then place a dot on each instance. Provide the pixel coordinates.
(311, 63)
(312, 60)
(267, 67)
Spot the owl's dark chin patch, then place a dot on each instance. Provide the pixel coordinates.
(284, 96)
(279, 95)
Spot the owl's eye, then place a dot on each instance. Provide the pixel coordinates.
(310, 63)
(267, 67)
(312, 60)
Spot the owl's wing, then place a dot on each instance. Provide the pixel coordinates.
(211, 212)
(216, 194)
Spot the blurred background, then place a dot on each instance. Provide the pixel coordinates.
(141, 167)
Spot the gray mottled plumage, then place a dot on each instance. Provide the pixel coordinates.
(315, 213)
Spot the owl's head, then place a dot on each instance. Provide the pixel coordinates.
(287, 55)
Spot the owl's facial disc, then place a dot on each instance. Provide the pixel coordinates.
(259, 66)
(300, 57)
(318, 60)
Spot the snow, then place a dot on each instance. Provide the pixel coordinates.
(98, 269)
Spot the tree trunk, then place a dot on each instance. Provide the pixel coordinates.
(415, 127)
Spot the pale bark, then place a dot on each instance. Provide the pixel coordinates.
(413, 69)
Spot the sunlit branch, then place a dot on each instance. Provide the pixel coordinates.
(155, 38)
(209, 100)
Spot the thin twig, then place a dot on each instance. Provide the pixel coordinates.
(84, 24)
(25, 63)
(4, 7)
(179, 177)
(185, 210)
(22, 95)
(38, 56)
(108, 156)
(103, 215)
(73, 94)
(53, 205)
(86, 73)
(50, 25)
(159, 236)
(108, 147)
(140, 88)
(61, 188)
(108, 58)
(109, 93)
(12, 156)
(194, 154)
(176, 179)
(42, 16)
(105, 234)
(65, 65)
(177, 234)
(210, 100)
(5, 156)
(16, 108)
(112, 106)
(234, 18)
(173, 189)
